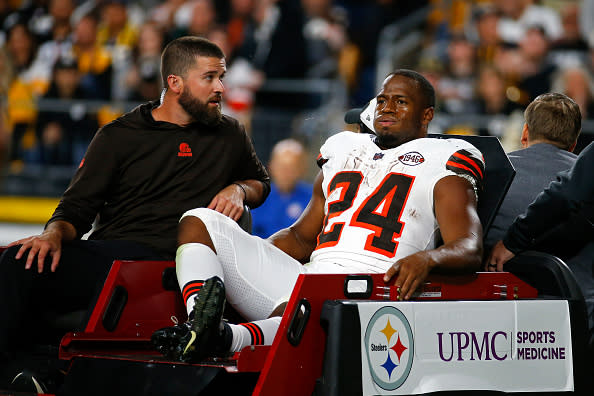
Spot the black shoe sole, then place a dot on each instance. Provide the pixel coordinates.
(205, 325)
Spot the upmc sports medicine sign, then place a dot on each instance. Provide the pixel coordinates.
(420, 347)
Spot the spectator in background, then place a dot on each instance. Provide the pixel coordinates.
(289, 193)
(553, 124)
(219, 35)
(571, 41)
(492, 100)
(528, 66)
(26, 85)
(455, 87)
(367, 19)
(491, 93)
(242, 79)
(142, 80)
(94, 61)
(485, 20)
(118, 35)
(538, 69)
(164, 14)
(114, 29)
(33, 13)
(273, 48)
(239, 87)
(22, 47)
(325, 35)
(518, 16)
(55, 24)
(63, 136)
(239, 19)
(577, 82)
(274, 43)
(58, 41)
(202, 18)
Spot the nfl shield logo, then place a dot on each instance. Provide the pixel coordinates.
(377, 156)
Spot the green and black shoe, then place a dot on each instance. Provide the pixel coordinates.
(204, 334)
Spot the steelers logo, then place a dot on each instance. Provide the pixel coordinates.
(389, 346)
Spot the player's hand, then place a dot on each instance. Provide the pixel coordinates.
(499, 256)
(229, 201)
(410, 272)
(40, 246)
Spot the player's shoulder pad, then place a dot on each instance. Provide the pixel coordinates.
(342, 142)
(467, 161)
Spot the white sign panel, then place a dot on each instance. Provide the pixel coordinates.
(510, 346)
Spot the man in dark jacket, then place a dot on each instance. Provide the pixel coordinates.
(550, 133)
(140, 174)
(559, 221)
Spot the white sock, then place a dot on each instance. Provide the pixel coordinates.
(195, 263)
(260, 332)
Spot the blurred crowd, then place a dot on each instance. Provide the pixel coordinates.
(108, 50)
(484, 57)
(494, 57)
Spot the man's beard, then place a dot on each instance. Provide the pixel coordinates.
(199, 110)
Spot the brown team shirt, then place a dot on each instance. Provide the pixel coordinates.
(141, 175)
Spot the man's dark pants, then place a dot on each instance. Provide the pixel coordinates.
(30, 302)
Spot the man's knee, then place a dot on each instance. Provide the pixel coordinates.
(192, 229)
(9, 263)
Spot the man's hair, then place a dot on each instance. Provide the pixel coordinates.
(289, 144)
(554, 117)
(180, 55)
(425, 88)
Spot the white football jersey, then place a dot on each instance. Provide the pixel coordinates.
(379, 203)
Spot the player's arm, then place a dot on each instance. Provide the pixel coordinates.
(300, 239)
(461, 231)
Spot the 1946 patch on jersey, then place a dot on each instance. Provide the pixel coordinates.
(412, 158)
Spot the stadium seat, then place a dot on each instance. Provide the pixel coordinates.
(499, 174)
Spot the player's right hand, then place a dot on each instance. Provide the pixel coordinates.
(39, 246)
(410, 272)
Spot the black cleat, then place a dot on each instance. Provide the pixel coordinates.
(205, 334)
(169, 341)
